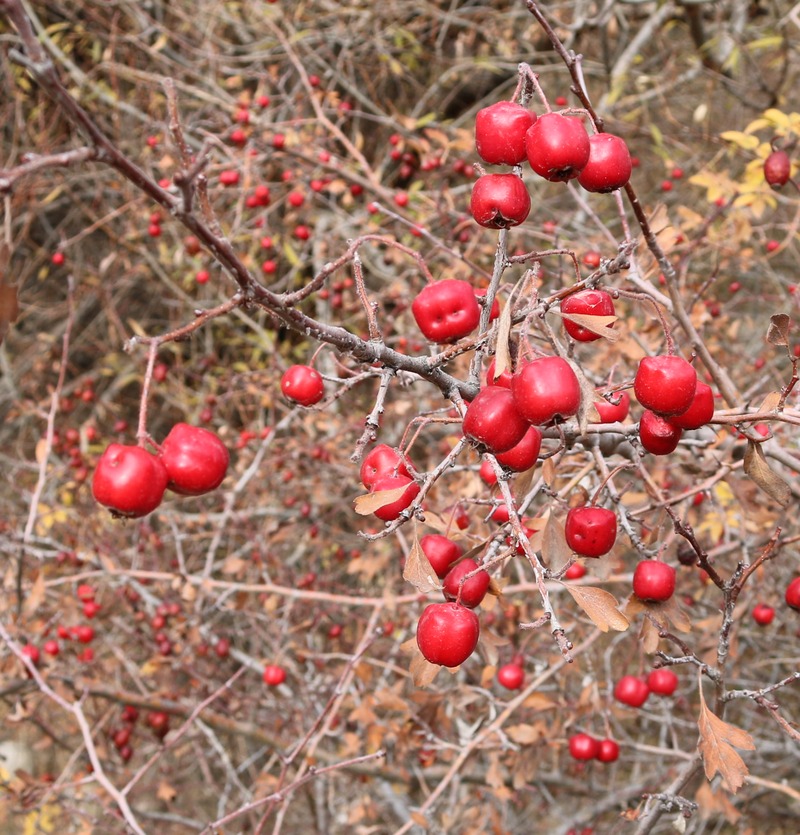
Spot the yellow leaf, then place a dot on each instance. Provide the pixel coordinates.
(717, 742)
(743, 140)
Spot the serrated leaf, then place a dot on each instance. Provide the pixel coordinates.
(778, 332)
(718, 741)
(600, 606)
(418, 570)
(755, 465)
(370, 502)
(555, 551)
(601, 325)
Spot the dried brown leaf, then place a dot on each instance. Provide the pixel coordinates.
(718, 741)
(755, 465)
(548, 471)
(601, 325)
(370, 502)
(418, 570)
(9, 307)
(555, 551)
(525, 734)
(713, 803)
(601, 606)
(778, 332)
(35, 596)
(422, 671)
(649, 637)
(770, 402)
(502, 354)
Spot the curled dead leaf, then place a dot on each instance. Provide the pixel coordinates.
(756, 466)
(418, 571)
(601, 607)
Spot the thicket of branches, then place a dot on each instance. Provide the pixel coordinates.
(197, 196)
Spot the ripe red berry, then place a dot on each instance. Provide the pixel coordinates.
(303, 384)
(391, 511)
(586, 303)
(575, 571)
(653, 580)
(84, 633)
(665, 384)
(523, 455)
(610, 413)
(544, 388)
(511, 676)
(493, 420)
(58, 259)
(447, 633)
(583, 747)
(662, 682)
(609, 165)
(473, 591)
(487, 473)
(700, 412)
(500, 132)
(607, 751)
(129, 480)
(631, 691)
(591, 531)
(229, 177)
(51, 647)
(274, 675)
(31, 651)
(441, 552)
(158, 722)
(777, 169)
(383, 460)
(792, 596)
(557, 147)
(447, 310)
(763, 615)
(657, 435)
(499, 201)
(196, 460)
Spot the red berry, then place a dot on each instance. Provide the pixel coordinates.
(500, 132)
(700, 412)
(583, 747)
(391, 511)
(84, 633)
(129, 480)
(90, 609)
(792, 596)
(662, 682)
(523, 455)
(511, 676)
(665, 384)
(591, 531)
(473, 591)
(610, 413)
(229, 177)
(657, 435)
(441, 552)
(447, 633)
(545, 388)
(383, 460)
(51, 647)
(575, 571)
(274, 675)
(586, 303)
(608, 751)
(609, 165)
(763, 615)
(303, 384)
(446, 310)
(492, 419)
(499, 201)
(777, 169)
(158, 722)
(631, 691)
(557, 147)
(58, 259)
(653, 580)
(487, 473)
(196, 460)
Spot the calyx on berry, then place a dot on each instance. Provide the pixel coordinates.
(446, 310)
(557, 147)
(499, 201)
(614, 412)
(657, 434)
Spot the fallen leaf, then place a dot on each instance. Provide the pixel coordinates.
(755, 465)
(718, 739)
(601, 606)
